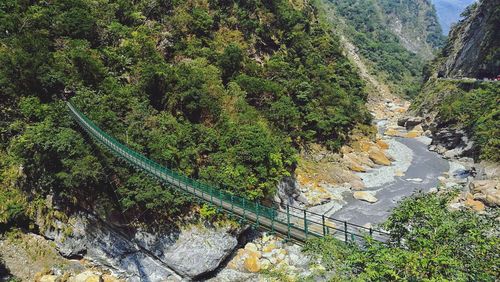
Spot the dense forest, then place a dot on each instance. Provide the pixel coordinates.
(222, 91)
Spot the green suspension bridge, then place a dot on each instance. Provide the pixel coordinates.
(291, 223)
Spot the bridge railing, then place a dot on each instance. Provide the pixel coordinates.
(295, 219)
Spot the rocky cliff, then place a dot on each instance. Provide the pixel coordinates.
(463, 113)
(473, 48)
(415, 24)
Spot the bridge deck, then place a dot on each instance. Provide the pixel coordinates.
(294, 224)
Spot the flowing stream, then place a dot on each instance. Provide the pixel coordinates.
(422, 166)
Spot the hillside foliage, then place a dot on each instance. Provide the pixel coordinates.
(222, 90)
(435, 245)
(368, 27)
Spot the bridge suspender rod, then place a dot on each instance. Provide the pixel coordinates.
(288, 220)
(324, 225)
(257, 212)
(345, 230)
(220, 197)
(305, 222)
(272, 224)
(244, 210)
(232, 204)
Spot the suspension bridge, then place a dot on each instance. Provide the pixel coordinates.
(292, 223)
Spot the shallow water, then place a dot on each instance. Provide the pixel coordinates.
(425, 165)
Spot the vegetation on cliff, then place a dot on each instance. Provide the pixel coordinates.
(436, 244)
(469, 105)
(223, 91)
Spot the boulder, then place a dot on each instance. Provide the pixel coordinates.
(493, 198)
(252, 263)
(198, 251)
(415, 179)
(191, 252)
(413, 121)
(106, 246)
(475, 205)
(392, 132)
(251, 247)
(382, 144)
(402, 121)
(480, 186)
(488, 190)
(48, 278)
(453, 143)
(357, 185)
(86, 276)
(355, 167)
(352, 164)
(303, 199)
(378, 157)
(417, 131)
(361, 159)
(362, 146)
(367, 196)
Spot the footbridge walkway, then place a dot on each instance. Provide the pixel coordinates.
(289, 222)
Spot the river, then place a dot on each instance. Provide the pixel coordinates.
(423, 170)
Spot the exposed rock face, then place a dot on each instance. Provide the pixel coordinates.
(198, 251)
(472, 50)
(453, 143)
(105, 246)
(288, 192)
(146, 257)
(417, 33)
(28, 254)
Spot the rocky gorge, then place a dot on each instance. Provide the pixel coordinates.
(407, 150)
(360, 185)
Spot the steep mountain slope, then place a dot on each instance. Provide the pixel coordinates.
(449, 11)
(393, 38)
(415, 23)
(463, 114)
(473, 49)
(223, 91)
